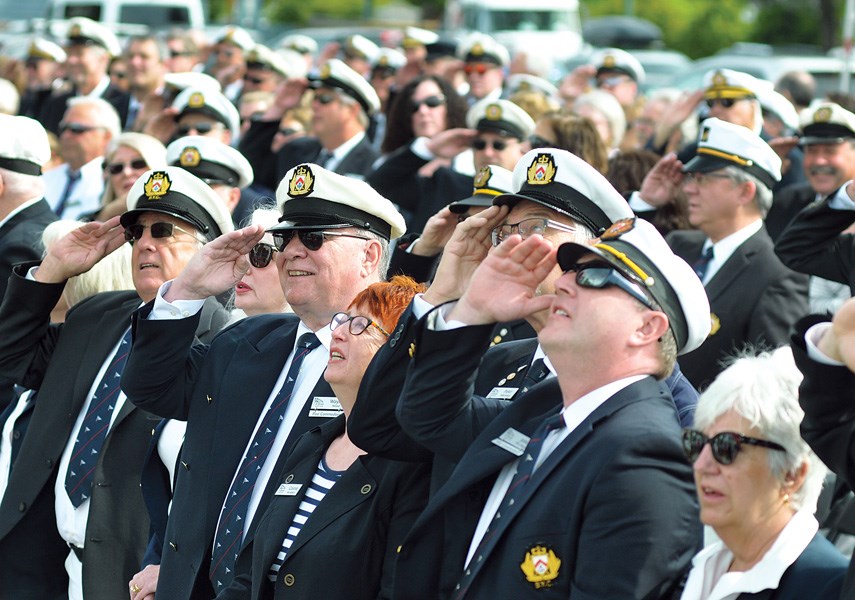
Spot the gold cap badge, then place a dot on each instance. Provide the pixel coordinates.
(493, 112)
(477, 49)
(190, 157)
(618, 228)
(302, 182)
(822, 115)
(325, 71)
(542, 170)
(157, 185)
(540, 566)
(482, 178)
(196, 100)
(609, 62)
(705, 134)
(719, 79)
(75, 31)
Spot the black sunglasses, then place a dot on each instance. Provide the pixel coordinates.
(599, 275)
(356, 324)
(200, 128)
(261, 255)
(312, 240)
(325, 98)
(76, 128)
(430, 102)
(136, 165)
(251, 79)
(725, 102)
(288, 131)
(725, 446)
(159, 230)
(179, 53)
(498, 145)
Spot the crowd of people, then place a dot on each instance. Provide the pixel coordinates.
(416, 322)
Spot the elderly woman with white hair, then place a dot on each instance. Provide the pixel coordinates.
(758, 483)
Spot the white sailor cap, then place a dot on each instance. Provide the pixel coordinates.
(299, 43)
(641, 254)
(24, 146)
(481, 48)
(188, 79)
(359, 46)
(388, 58)
(210, 160)
(489, 182)
(416, 36)
(775, 103)
(262, 57)
(500, 116)
(722, 144)
(210, 103)
(311, 197)
(236, 36)
(524, 82)
(86, 32)
(615, 60)
(826, 123)
(174, 191)
(562, 181)
(45, 49)
(725, 83)
(295, 63)
(335, 74)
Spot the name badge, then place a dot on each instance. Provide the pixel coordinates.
(325, 407)
(505, 393)
(513, 441)
(288, 489)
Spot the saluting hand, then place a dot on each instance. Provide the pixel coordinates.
(838, 342)
(451, 142)
(661, 184)
(217, 267)
(79, 250)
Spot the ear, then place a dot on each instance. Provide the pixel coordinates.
(747, 191)
(371, 260)
(234, 198)
(654, 324)
(794, 480)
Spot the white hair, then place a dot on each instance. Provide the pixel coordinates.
(106, 114)
(763, 389)
(606, 104)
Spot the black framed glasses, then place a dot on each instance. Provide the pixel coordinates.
(199, 128)
(325, 97)
(138, 164)
(702, 178)
(77, 128)
(498, 145)
(526, 228)
(599, 275)
(312, 240)
(356, 324)
(430, 102)
(535, 141)
(261, 254)
(160, 230)
(725, 446)
(725, 102)
(253, 79)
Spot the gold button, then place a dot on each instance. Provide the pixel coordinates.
(412, 349)
(511, 375)
(209, 398)
(497, 339)
(366, 488)
(290, 478)
(288, 579)
(399, 549)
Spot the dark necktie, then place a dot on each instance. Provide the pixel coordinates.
(536, 373)
(703, 263)
(232, 520)
(96, 424)
(324, 157)
(73, 178)
(525, 468)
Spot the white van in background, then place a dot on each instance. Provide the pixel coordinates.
(131, 16)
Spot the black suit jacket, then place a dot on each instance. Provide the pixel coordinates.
(754, 300)
(814, 243)
(54, 108)
(357, 527)
(62, 361)
(220, 390)
(418, 197)
(575, 506)
(786, 205)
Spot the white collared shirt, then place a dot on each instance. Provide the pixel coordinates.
(709, 578)
(574, 414)
(85, 197)
(339, 153)
(725, 247)
(98, 90)
(6, 440)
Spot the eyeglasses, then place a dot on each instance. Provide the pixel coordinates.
(254, 80)
(179, 53)
(199, 128)
(288, 131)
(356, 325)
(261, 255)
(159, 231)
(312, 240)
(527, 228)
(76, 128)
(430, 102)
(325, 98)
(613, 81)
(725, 446)
(138, 164)
(497, 145)
(702, 178)
(725, 102)
(479, 68)
(598, 275)
(535, 141)
(118, 75)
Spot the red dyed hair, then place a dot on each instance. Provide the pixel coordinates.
(387, 300)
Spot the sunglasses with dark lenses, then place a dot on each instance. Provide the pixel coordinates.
(479, 68)
(497, 145)
(312, 240)
(430, 102)
(326, 98)
(288, 131)
(535, 141)
(159, 231)
(179, 53)
(138, 164)
(527, 228)
(725, 446)
(356, 324)
(254, 80)
(261, 255)
(199, 128)
(725, 102)
(76, 128)
(599, 275)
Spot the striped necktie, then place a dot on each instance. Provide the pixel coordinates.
(702, 264)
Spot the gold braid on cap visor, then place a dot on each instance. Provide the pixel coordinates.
(487, 192)
(743, 162)
(639, 272)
